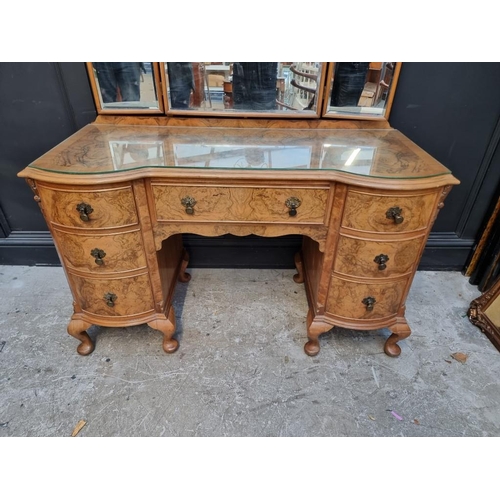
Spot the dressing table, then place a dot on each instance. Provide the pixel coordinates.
(117, 199)
(119, 193)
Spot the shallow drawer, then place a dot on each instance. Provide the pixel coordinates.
(102, 208)
(351, 299)
(102, 253)
(394, 213)
(376, 259)
(113, 297)
(239, 204)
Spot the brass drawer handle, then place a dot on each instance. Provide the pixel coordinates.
(98, 254)
(110, 299)
(189, 203)
(395, 214)
(85, 210)
(292, 203)
(369, 302)
(381, 261)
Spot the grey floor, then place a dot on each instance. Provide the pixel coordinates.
(241, 369)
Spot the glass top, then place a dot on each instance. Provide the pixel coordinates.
(103, 149)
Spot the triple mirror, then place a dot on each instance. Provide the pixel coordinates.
(360, 90)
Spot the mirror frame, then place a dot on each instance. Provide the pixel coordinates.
(477, 316)
(239, 114)
(127, 111)
(354, 116)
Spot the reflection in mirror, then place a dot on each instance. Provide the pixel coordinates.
(125, 85)
(356, 160)
(242, 156)
(226, 87)
(360, 88)
(135, 154)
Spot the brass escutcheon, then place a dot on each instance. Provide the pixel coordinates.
(292, 203)
(85, 210)
(110, 299)
(395, 214)
(98, 254)
(189, 203)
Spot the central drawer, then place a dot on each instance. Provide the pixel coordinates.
(239, 204)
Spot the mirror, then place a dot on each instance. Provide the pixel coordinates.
(125, 86)
(484, 312)
(361, 89)
(224, 88)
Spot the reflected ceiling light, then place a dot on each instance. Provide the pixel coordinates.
(352, 157)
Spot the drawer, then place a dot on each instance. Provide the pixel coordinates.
(371, 212)
(240, 204)
(345, 298)
(123, 251)
(376, 259)
(109, 208)
(131, 295)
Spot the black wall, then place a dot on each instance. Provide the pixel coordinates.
(41, 104)
(452, 110)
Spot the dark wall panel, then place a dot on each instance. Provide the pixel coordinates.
(451, 110)
(41, 104)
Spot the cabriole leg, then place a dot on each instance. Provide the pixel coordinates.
(76, 328)
(184, 277)
(400, 331)
(167, 327)
(299, 277)
(314, 329)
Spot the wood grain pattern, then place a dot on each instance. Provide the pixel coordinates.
(224, 122)
(112, 207)
(133, 295)
(124, 251)
(355, 257)
(367, 211)
(345, 298)
(236, 204)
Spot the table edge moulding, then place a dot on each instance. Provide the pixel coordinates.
(118, 195)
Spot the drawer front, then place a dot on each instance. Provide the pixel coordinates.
(376, 259)
(239, 204)
(345, 298)
(373, 212)
(102, 253)
(131, 295)
(109, 208)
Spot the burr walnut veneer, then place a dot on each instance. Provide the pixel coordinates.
(117, 199)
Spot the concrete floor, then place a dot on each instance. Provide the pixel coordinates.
(241, 369)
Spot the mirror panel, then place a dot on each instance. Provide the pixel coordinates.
(361, 90)
(225, 88)
(130, 86)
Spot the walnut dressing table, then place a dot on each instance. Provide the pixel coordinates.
(117, 199)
